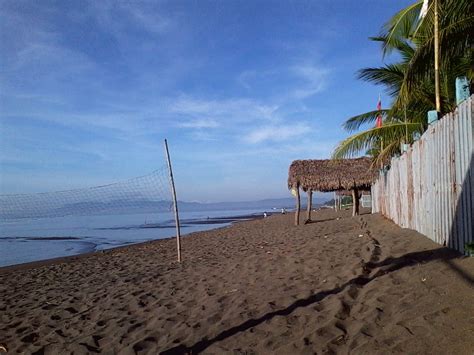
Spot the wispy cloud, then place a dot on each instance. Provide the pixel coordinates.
(117, 17)
(277, 133)
(314, 80)
(227, 112)
(97, 90)
(295, 82)
(199, 123)
(241, 108)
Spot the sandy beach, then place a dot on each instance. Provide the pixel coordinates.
(337, 285)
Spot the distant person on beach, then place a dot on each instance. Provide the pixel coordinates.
(264, 214)
(283, 211)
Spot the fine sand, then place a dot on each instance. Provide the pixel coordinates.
(337, 285)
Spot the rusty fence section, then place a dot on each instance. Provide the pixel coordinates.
(430, 188)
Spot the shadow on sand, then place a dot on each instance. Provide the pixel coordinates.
(389, 265)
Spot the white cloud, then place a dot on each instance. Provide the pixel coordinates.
(204, 136)
(248, 78)
(314, 80)
(199, 123)
(51, 55)
(277, 133)
(297, 81)
(245, 76)
(232, 110)
(143, 15)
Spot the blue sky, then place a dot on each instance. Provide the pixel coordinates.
(89, 90)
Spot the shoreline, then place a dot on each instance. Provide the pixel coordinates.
(338, 284)
(224, 221)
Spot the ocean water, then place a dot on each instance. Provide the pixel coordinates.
(26, 240)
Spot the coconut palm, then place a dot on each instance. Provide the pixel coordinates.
(399, 122)
(410, 81)
(456, 42)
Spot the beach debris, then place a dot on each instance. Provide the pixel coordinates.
(324, 281)
(3, 348)
(423, 279)
(232, 291)
(269, 252)
(326, 236)
(339, 340)
(361, 235)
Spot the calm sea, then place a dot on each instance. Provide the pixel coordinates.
(27, 240)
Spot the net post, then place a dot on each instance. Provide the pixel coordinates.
(175, 204)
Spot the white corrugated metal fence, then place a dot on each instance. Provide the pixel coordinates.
(430, 188)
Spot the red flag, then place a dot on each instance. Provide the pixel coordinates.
(378, 121)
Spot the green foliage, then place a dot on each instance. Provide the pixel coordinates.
(410, 81)
(469, 247)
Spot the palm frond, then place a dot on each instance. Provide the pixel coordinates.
(368, 139)
(390, 75)
(400, 26)
(383, 158)
(411, 80)
(354, 123)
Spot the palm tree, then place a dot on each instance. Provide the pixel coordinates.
(456, 40)
(410, 81)
(399, 122)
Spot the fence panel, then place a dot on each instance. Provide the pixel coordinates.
(430, 188)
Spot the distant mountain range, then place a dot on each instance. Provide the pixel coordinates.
(267, 204)
(55, 208)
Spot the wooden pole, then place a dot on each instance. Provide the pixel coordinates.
(335, 201)
(298, 206)
(175, 204)
(436, 54)
(381, 141)
(310, 205)
(355, 202)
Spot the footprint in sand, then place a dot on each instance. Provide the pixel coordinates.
(71, 310)
(145, 345)
(30, 338)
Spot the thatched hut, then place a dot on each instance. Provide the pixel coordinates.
(340, 194)
(330, 175)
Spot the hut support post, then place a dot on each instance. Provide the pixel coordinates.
(355, 202)
(335, 201)
(298, 206)
(310, 205)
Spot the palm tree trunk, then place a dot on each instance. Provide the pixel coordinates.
(436, 56)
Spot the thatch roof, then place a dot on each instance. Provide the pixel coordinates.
(349, 192)
(331, 175)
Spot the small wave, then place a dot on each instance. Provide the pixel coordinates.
(40, 238)
(187, 223)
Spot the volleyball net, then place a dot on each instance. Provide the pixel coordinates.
(148, 193)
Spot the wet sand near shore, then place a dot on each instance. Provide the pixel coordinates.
(337, 285)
